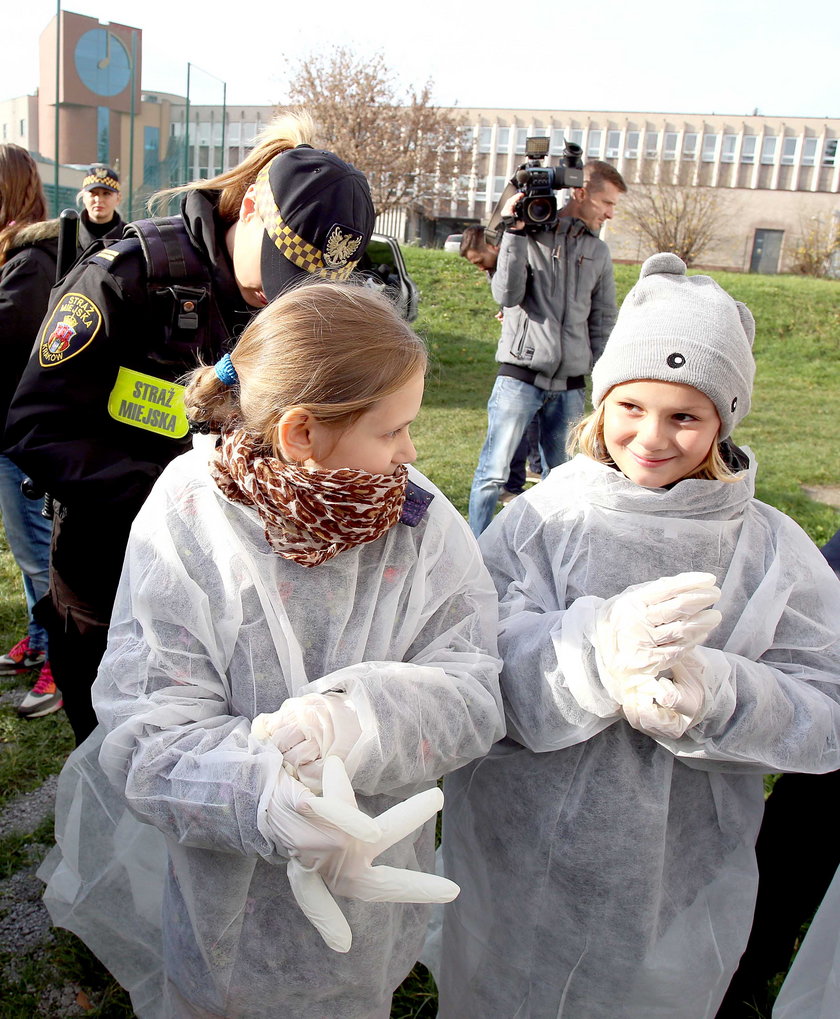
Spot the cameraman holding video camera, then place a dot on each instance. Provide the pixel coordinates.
(554, 279)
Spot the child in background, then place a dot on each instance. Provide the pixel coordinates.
(605, 848)
(301, 610)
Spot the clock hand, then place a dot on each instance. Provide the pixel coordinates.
(107, 58)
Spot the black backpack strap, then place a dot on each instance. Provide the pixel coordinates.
(176, 274)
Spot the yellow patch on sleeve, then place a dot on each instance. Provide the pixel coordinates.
(142, 401)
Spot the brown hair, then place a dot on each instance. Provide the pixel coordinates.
(473, 239)
(334, 349)
(597, 173)
(587, 437)
(288, 129)
(22, 200)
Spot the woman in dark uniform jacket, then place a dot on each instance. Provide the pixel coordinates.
(28, 246)
(98, 414)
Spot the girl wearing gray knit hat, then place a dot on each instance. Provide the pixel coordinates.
(666, 639)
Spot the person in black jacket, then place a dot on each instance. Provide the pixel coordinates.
(28, 246)
(99, 412)
(100, 196)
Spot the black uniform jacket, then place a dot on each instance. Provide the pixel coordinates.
(91, 233)
(96, 416)
(26, 278)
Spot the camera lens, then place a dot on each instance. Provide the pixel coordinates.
(539, 210)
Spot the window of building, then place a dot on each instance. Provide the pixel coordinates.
(521, 139)
(613, 144)
(809, 152)
(481, 189)
(233, 132)
(503, 139)
(558, 142)
(498, 187)
(464, 181)
(22, 128)
(593, 144)
(768, 149)
(484, 136)
(651, 144)
(710, 142)
(788, 151)
(103, 133)
(748, 148)
(576, 136)
(249, 132)
(631, 144)
(830, 153)
(670, 149)
(727, 152)
(690, 145)
(467, 136)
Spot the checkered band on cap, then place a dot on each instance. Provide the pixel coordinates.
(301, 253)
(100, 177)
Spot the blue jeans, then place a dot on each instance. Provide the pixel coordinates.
(510, 409)
(28, 535)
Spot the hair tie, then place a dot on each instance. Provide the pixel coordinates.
(225, 372)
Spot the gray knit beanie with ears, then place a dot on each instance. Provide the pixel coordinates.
(678, 328)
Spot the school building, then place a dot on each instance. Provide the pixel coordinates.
(777, 177)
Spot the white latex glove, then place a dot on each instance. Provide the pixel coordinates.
(643, 630)
(309, 729)
(669, 707)
(336, 863)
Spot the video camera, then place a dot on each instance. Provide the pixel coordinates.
(538, 206)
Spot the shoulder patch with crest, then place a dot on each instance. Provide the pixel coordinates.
(73, 324)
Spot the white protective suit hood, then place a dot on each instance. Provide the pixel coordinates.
(210, 629)
(605, 872)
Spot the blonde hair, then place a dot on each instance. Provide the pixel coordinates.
(288, 129)
(334, 349)
(22, 200)
(587, 437)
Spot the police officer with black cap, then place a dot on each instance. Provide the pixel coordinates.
(99, 196)
(99, 411)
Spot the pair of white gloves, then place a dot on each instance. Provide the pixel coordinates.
(648, 643)
(331, 844)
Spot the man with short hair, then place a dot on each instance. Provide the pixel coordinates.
(558, 294)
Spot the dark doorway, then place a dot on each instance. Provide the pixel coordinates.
(767, 246)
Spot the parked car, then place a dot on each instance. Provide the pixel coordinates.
(384, 267)
(453, 243)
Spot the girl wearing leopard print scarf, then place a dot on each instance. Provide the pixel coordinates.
(303, 643)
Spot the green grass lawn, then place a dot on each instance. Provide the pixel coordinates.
(794, 430)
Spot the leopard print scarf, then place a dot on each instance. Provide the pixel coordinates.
(309, 516)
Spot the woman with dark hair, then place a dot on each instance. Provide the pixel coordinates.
(28, 244)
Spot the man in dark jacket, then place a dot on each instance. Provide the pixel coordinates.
(558, 294)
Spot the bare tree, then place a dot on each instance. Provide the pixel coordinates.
(816, 249)
(409, 149)
(676, 217)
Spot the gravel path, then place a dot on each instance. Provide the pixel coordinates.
(26, 933)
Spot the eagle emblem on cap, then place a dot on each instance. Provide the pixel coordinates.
(340, 247)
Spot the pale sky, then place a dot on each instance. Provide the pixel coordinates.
(716, 56)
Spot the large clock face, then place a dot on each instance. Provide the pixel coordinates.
(103, 62)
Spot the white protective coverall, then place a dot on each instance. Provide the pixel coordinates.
(209, 629)
(812, 987)
(605, 873)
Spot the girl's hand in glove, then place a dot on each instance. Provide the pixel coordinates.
(670, 707)
(309, 729)
(643, 630)
(337, 845)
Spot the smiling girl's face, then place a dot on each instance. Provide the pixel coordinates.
(658, 432)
